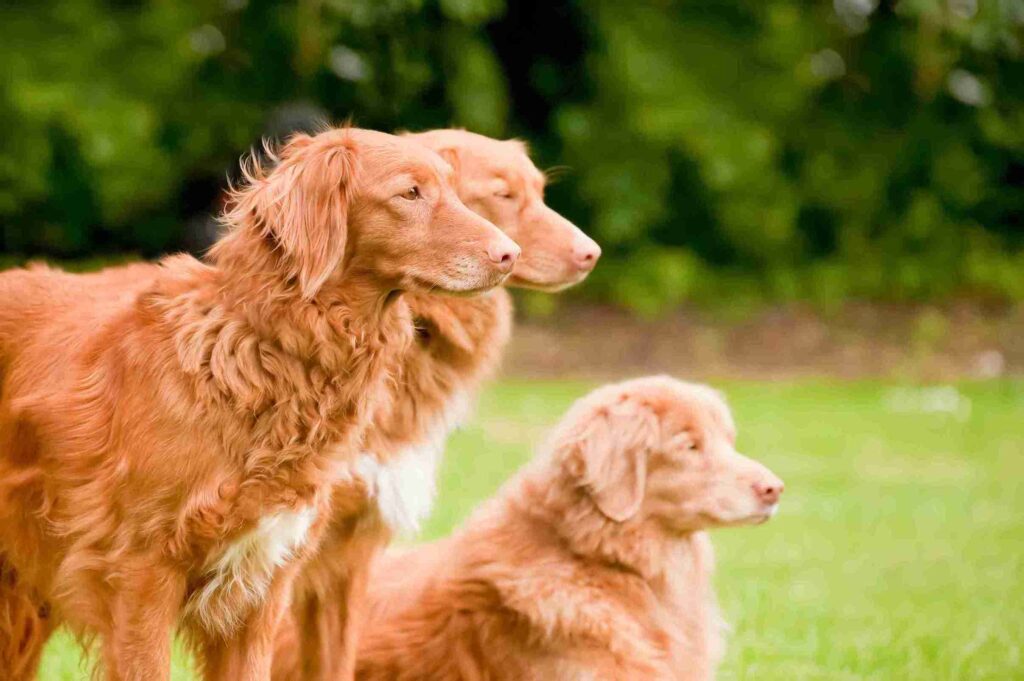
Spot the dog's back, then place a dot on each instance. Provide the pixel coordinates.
(502, 600)
(432, 615)
(40, 298)
(28, 298)
(31, 299)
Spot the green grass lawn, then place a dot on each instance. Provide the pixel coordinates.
(898, 552)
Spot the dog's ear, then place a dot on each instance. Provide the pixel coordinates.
(613, 446)
(302, 205)
(312, 218)
(451, 157)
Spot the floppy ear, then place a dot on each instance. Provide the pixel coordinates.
(613, 446)
(303, 206)
(451, 157)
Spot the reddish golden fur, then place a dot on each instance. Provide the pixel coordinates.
(26, 625)
(592, 563)
(460, 343)
(498, 181)
(149, 441)
(318, 639)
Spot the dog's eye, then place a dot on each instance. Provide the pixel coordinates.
(412, 193)
(684, 442)
(505, 195)
(422, 328)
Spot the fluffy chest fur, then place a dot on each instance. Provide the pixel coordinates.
(288, 394)
(403, 487)
(238, 578)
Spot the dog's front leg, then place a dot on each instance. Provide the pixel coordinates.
(143, 615)
(353, 614)
(329, 621)
(330, 628)
(321, 625)
(247, 654)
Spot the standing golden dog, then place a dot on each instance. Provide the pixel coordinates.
(168, 457)
(592, 563)
(459, 342)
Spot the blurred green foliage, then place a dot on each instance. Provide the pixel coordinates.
(726, 149)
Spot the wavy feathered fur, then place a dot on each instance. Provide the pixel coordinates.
(591, 563)
(200, 414)
(459, 343)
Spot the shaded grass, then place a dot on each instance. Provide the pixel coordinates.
(898, 552)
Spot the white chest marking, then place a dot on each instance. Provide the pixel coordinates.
(405, 487)
(239, 577)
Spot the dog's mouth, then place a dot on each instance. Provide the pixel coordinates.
(757, 517)
(535, 280)
(766, 515)
(449, 288)
(543, 287)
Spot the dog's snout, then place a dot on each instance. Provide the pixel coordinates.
(769, 489)
(503, 254)
(585, 254)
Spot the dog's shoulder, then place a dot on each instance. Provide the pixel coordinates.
(582, 619)
(558, 598)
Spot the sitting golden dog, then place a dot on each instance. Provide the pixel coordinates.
(592, 563)
(459, 343)
(167, 456)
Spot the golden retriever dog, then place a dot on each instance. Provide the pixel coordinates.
(167, 456)
(459, 343)
(592, 563)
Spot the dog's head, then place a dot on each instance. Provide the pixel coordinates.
(365, 201)
(658, 450)
(497, 180)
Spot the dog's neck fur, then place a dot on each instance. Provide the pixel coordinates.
(301, 375)
(459, 343)
(669, 572)
(560, 504)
